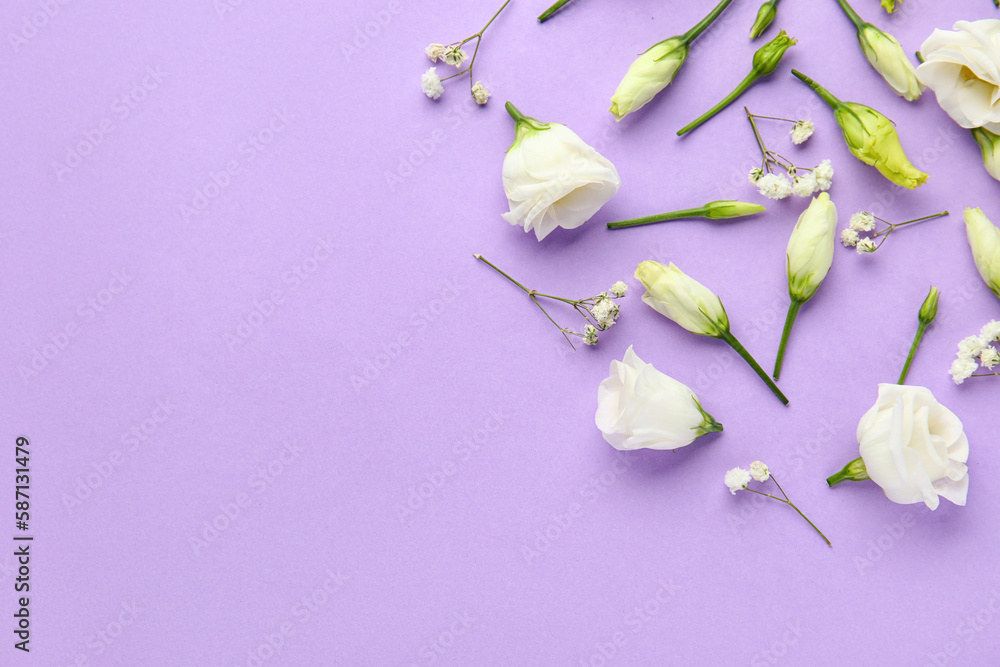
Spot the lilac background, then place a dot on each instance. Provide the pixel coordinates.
(723, 579)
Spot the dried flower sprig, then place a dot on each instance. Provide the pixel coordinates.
(977, 351)
(738, 479)
(864, 222)
(770, 180)
(599, 312)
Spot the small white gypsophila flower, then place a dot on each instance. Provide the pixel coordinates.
(803, 130)
(759, 471)
(755, 175)
(866, 247)
(590, 335)
(863, 221)
(737, 479)
(430, 83)
(435, 51)
(989, 357)
(774, 186)
(605, 311)
(991, 331)
(971, 347)
(454, 55)
(824, 175)
(805, 186)
(619, 289)
(849, 237)
(962, 369)
(480, 94)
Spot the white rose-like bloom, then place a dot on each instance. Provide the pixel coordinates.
(648, 74)
(552, 178)
(810, 248)
(962, 67)
(639, 407)
(886, 55)
(672, 293)
(914, 447)
(984, 239)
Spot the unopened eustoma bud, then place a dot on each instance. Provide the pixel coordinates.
(765, 17)
(984, 239)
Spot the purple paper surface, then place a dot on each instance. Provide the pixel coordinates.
(279, 415)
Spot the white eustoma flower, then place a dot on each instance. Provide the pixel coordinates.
(638, 407)
(648, 74)
(759, 471)
(914, 447)
(984, 239)
(737, 479)
(963, 69)
(849, 238)
(810, 248)
(552, 178)
(802, 130)
(963, 368)
(670, 292)
(885, 54)
(430, 83)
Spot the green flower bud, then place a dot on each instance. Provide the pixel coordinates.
(989, 143)
(810, 248)
(650, 73)
(765, 16)
(768, 57)
(721, 210)
(928, 311)
(890, 5)
(887, 57)
(675, 295)
(984, 239)
(872, 138)
(854, 471)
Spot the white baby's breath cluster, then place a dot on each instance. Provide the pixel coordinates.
(862, 222)
(603, 310)
(977, 352)
(431, 83)
(779, 186)
(738, 479)
(802, 131)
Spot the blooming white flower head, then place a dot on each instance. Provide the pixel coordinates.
(759, 471)
(991, 331)
(824, 175)
(989, 357)
(590, 335)
(755, 175)
(810, 248)
(774, 186)
(454, 55)
(802, 131)
(971, 347)
(805, 186)
(430, 83)
(866, 247)
(435, 51)
(480, 94)
(962, 369)
(849, 238)
(619, 289)
(737, 479)
(863, 221)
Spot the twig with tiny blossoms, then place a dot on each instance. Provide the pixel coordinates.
(977, 351)
(864, 222)
(738, 479)
(769, 179)
(453, 54)
(599, 312)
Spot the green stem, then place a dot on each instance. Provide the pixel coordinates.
(501, 272)
(854, 471)
(544, 16)
(926, 217)
(921, 328)
(793, 311)
(735, 344)
(792, 505)
(851, 14)
(703, 25)
(493, 18)
(824, 94)
(662, 217)
(726, 101)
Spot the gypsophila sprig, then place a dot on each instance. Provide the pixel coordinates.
(599, 312)
(864, 235)
(977, 352)
(738, 479)
(778, 177)
(454, 55)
